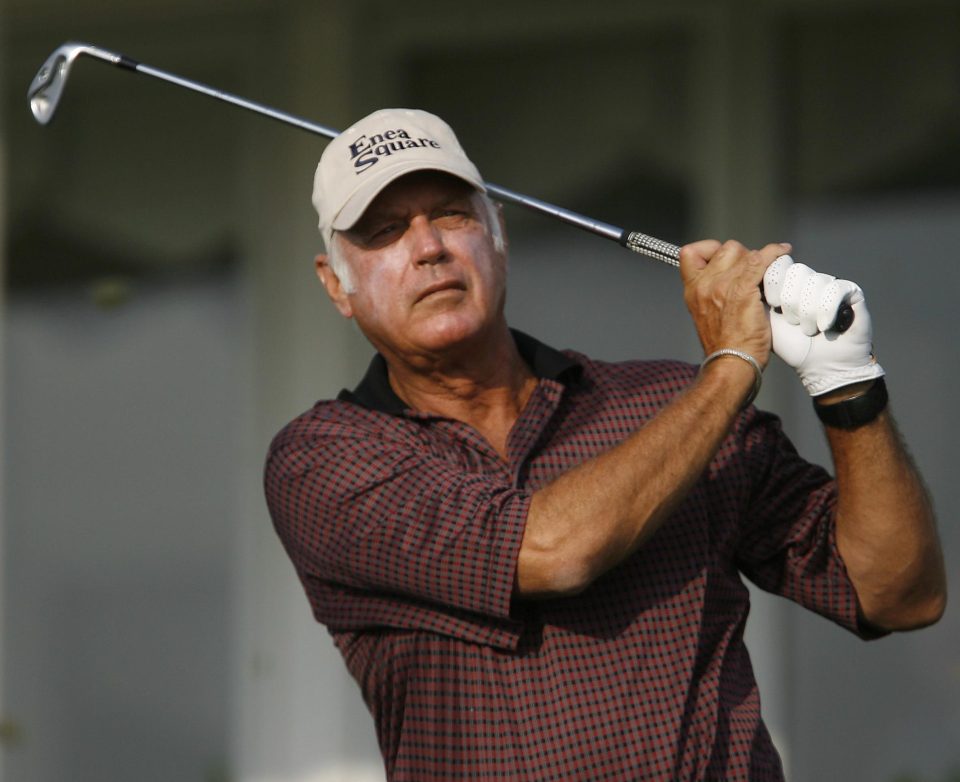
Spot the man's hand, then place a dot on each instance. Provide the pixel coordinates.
(722, 291)
(804, 307)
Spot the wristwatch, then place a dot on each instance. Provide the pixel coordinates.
(855, 412)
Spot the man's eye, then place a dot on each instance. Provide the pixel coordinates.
(451, 214)
(385, 230)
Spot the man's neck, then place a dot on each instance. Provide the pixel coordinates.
(486, 385)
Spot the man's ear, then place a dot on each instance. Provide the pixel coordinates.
(331, 283)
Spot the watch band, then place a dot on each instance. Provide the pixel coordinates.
(855, 412)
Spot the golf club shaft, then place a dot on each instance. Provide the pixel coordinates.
(633, 240)
(46, 88)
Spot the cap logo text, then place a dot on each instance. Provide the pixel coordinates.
(367, 150)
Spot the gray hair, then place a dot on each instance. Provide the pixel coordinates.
(341, 267)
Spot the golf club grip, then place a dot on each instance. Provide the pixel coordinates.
(651, 247)
(670, 253)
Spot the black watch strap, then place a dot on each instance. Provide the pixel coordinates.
(853, 413)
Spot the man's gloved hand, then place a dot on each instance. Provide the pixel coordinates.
(803, 308)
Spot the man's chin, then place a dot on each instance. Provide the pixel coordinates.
(447, 332)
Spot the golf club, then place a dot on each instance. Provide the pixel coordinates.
(46, 91)
(47, 87)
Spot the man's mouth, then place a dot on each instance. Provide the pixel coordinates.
(439, 287)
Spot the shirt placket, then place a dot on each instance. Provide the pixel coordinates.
(529, 427)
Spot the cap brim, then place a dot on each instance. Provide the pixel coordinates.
(364, 195)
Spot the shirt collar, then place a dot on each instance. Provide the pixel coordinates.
(375, 393)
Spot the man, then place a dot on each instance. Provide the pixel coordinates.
(531, 560)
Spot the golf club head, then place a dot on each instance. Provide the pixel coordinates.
(47, 86)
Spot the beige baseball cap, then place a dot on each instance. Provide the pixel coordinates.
(374, 152)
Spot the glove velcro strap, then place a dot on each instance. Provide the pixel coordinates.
(855, 412)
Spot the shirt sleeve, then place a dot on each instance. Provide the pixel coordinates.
(386, 532)
(788, 540)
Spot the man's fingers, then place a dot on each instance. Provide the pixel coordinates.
(773, 279)
(837, 293)
(802, 296)
(768, 256)
(695, 256)
(731, 254)
(718, 258)
(806, 298)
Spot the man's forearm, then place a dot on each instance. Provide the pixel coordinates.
(886, 530)
(597, 514)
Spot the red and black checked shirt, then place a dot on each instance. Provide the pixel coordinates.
(404, 529)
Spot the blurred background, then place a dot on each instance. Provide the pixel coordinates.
(160, 321)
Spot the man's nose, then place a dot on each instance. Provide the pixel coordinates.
(427, 241)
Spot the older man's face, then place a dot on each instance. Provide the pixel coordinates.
(428, 277)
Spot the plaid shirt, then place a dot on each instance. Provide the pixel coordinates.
(404, 528)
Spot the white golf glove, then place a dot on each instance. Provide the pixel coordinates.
(803, 309)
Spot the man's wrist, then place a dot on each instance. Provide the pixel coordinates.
(854, 410)
(743, 356)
